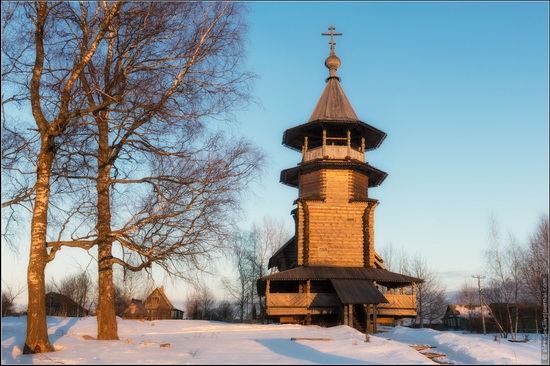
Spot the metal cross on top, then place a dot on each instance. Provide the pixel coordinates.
(331, 34)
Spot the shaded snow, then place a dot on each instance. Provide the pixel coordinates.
(208, 342)
(471, 348)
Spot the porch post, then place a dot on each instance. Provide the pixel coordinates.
(345, 314)
(374, 311)
(308, 291)
(367, 316)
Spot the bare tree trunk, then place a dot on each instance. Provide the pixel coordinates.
(498, 267)
(37, 330)
(107, 328)
(509, 315)
(500, 327)
(420, 298)
(152, 72)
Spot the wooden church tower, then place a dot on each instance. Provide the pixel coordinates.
(329, 272)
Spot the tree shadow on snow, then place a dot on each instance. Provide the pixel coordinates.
(286, 347)
(14, 333)
(62, 329)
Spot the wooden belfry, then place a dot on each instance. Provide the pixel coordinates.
(329, 272)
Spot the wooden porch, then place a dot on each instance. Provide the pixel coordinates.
(301, 304)
(278, 304)
(398, 306)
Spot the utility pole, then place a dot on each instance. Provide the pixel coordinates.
(479, 278)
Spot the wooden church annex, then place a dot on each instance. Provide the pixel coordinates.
(329, 272)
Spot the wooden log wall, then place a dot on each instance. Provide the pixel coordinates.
(333, 230)
(336, 234)
(368, 234)
(359, 184)
(310, 185)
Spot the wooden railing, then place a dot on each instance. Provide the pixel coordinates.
(399, 305)
(333, 152)
(321, 299)
(399, 302)
(301, 300)
(296, 304)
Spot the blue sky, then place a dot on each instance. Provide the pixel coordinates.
(461, 89)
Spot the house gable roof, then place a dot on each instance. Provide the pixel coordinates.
(160, 291)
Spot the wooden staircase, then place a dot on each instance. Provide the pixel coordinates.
(359, 318)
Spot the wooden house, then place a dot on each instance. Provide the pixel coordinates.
(136, 310)
(159, 307)
(464, 317)
(61, 305)
(530, 316)
(329, 272)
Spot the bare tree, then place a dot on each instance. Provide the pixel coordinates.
(77, 287)
(203, 300)
(224, 311)
(536, 260)
(515, 261)
(396, 260)
(136, 285)
(430, 295)
(10, 293)
(33, 59)
(192, 306)
(122, 298)
(505, 268)
(468, 296)
(126, 125)
(130, 285)
(267, 237)
(435, 303)
(158, 83)
(241, 287)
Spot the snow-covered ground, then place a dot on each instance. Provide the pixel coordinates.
(207, 342)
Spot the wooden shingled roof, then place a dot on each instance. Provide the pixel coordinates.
(333, 104)
(358, 292)
(354, 274)
(333, 109)
(291, 176)
(294, 137)
(350, 273)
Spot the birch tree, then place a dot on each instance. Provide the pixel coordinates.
(536, 260)
(504, 262)
(38, 73)
(128, 89)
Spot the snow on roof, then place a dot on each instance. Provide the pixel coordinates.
(468, 311)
